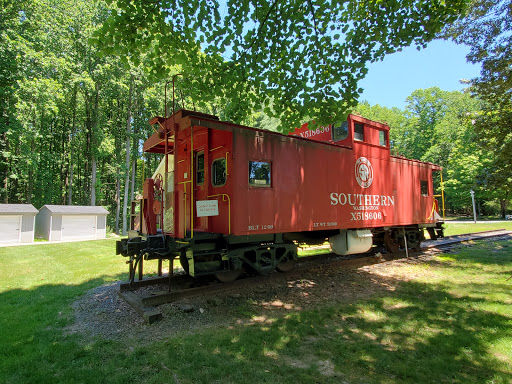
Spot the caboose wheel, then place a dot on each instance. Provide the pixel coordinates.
(228, 276)
(184, 262)
(391, 242)
(286, 266)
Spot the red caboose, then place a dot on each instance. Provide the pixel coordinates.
(228, 197)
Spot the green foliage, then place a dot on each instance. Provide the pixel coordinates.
(306, 57)
(64, 107)
(486, 29)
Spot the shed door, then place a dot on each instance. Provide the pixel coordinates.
(78, 227)
(10, 229)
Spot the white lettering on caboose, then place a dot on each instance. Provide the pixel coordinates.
(366, 207)
(361, 200)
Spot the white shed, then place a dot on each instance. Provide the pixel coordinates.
(71, 222)
(17, 223)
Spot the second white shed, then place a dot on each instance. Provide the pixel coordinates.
(71, 222)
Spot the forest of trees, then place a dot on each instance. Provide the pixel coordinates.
(74, 110)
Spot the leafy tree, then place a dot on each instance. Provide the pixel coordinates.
(64, 109)
(486, 29)
(495, 136)
(11, 70)
(307, 57)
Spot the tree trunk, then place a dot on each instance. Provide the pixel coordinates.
(135, 153)
(7, 166)
(31, 172)
(118, 198)
(70, 180)
(134, 171)
(94, 144)
(93, 181)
(70, 144)
(503, 205)
(127, 168)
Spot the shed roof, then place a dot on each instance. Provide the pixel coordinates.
(75, 209)
(9, 209)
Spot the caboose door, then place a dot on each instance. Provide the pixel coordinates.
(192, 179)
(201, 177)
(203, 181)
(219, 168)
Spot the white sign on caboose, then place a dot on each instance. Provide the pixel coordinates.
(207, 208)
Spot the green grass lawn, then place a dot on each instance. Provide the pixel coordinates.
(450, 324)
(459, 228)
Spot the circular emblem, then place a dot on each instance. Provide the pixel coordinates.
(364, 172)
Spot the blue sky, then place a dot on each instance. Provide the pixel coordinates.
(441, 64)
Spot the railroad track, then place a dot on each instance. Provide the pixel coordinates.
(145, 300)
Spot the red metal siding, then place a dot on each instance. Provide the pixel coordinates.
(314, 185)
(306, 174)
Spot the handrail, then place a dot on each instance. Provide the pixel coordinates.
(442, 191)
(224, 196)
(192, 181)
(185, 203)
(433, 209)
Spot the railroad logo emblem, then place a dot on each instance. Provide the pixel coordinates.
(364, 172)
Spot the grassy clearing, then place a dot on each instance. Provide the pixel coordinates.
(460, 228)
(450, 324)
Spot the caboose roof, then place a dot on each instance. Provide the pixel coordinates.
(156, 142)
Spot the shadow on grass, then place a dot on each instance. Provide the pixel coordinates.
(33, 347)
(419, 334)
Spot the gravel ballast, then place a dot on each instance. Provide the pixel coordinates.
(101, 313)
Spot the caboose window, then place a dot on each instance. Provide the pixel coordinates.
(340, 131)
(382, 138)
(424, 187)
(259, 174)
(219, 172)
(200, 168)
(358, 132)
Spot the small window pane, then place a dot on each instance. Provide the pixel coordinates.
(424, 187)
(358, 131)
(382, 138)
(340, 131)
(259, 174)
(200, 168)
(219, 172)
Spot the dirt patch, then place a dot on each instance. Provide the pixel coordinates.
(100, 313)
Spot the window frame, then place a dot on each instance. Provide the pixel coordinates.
(385, 133)
(424, 184)
(197, 167)
(335, 128)
(356, 124)
(254, 185)
(219, 159)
